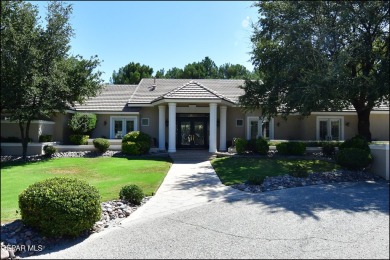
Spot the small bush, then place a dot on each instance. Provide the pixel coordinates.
(79, 139)
(49, 150)
(356, 142)
(328, 149)
(241, 145)
(132, 193)
(82, 123)
(131, 148)
(142, 140)
(291, 148)
(251, 145)
(256, 179)
(60, 206)
(353, 158)
(45, 138)
(262, 146)
(299, 170)
(101, 144)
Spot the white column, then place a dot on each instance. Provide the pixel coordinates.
(161, 128)
(172, 128)
(213, 128)
(222, 128)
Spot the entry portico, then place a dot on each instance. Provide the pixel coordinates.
(192, 117)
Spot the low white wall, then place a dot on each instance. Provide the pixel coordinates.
(16, 148)
(78, 148)
(380, 164)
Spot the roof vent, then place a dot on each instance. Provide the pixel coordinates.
(153, 87)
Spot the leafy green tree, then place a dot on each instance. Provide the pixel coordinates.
(132, 73)
(211, 70)
(38, 76)
(320, 56)
(230, 71)
(160, 74)
(174, 73)
(194, 70)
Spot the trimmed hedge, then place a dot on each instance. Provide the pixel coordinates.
(261, 146)
(256, 179)
(101, 144)
(79, 139)
(136, 143)
(328, 149)
(241, 145)
(354, 158)
(45, 138)
(132, 193)
(60, 206)
(291, 148)
(356, 142)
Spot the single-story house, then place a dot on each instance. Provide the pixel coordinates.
(194, 114)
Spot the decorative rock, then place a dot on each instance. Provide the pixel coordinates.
(28, 233)
(11, 241)
(28, 243)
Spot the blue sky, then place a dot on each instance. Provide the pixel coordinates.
(161, 34)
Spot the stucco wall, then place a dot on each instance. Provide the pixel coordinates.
(61, 129)
(379, 126)
(152, 114)
(380, 164)
(232, 131)
(37, 128)
(287, 129)
(102, 129)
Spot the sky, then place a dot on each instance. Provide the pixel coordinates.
(161, 34)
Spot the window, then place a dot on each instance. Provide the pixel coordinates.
(122, 125)
(239, 123)
(330, 128)
(145, 122)
(257, 128)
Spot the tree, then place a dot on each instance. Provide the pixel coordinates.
(160, 74)
(132, 73)
(39, 78)
(230, 71)
(211, 70)
(174, 73)
(320, 56)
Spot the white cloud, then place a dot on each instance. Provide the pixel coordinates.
(245, 22)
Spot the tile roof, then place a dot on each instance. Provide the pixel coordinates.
(112, 98)
(149, 91)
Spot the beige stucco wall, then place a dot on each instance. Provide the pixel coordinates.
(287, 129)
(152, 114)
(379, 126)
(102, 129)
(61, 129)
(37, 128)
(380, 164)
(232, 131)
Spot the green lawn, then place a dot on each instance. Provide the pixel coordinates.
(232, 170)
(107, 174)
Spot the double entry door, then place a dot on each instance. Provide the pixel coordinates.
(192, 132)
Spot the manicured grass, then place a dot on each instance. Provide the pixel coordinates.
(107, 174)
(232, 170)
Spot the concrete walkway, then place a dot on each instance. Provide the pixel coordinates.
(190, 182)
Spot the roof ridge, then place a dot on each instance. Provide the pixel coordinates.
(135, 91)
(214, 92)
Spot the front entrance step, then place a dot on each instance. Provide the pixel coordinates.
(192, 156)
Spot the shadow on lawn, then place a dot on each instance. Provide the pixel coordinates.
(306, 202)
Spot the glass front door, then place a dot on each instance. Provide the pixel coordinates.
(192, 132)
(330, 129)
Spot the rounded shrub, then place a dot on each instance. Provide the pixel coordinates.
(132, 193)
(356, 142)
(82, 123)
(131, 148)
(101, 144)
(353, 158)
(262, 146)
(79, 139)
(142, 140)
(45, 138)
(241, 145)
(60, 206)
(328, 149)
(251, 145)
(299, 170)
(49, 150)
(256, 179)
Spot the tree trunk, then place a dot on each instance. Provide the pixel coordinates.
(25, 134)
(364, 123)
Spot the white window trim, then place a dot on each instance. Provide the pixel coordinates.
(112, 118)
(148, 124)
(320, 118)
(256, 118)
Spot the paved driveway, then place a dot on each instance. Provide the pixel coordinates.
(194, 216)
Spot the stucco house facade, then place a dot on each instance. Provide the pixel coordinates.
(197, 114)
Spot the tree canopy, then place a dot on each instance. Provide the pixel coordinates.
(132, 73)
(38, 76)
(320, 56)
